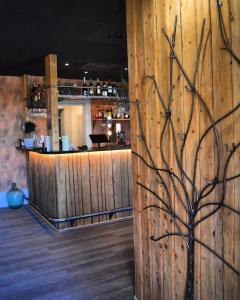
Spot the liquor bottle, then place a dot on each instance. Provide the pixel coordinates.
(66, 89)
(84, 88)
(98, 88)
(104, 89)
(109, 113)
(91, 87)
(114, 90)
(34, 88)
(38, 92)
(109, 88)
(34, 92)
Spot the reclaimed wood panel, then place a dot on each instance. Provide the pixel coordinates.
(66, 185)
(52, 97)
(161, 267)
(235, 25)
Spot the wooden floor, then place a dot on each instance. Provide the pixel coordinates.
(36, 262)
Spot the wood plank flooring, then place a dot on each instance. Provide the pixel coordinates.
(36, 262)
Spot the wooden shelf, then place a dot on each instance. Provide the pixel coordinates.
(111, 120)
(65, 98)
(37, 104)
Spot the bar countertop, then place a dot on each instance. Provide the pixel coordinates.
(111, 148)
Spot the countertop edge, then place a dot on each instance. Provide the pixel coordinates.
(127, 147)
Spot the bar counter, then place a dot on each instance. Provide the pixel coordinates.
(80, 183)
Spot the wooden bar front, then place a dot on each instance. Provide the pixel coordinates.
(73, 184)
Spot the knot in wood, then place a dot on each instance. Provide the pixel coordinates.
(141, 137)
(137, 101)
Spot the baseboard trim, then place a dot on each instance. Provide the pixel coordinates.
(81, 226)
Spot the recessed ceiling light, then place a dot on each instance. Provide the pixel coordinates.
(125, 69)
(85, 72)
(66, 64)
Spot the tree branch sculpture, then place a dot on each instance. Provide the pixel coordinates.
(183, 187)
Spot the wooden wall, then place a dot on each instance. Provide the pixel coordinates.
(161, 266)
(67, 185)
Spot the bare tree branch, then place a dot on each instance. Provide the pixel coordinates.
(214, 182)
(166, 171)
(156, 239)
(174, 215)
(223, 32)
(218, 256)
(223, 189)
(217, 203)
(216, 135)
(167, 211)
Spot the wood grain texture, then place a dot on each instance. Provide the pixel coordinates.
(161, 267)
(52, 97)
(38, 262)
(67, 185)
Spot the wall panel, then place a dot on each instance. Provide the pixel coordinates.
(161, 266)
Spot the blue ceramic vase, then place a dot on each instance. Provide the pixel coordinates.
(15, 197)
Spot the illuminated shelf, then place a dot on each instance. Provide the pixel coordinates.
(111, 120)
(74, 98)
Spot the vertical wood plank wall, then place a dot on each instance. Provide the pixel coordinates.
(161, 266)
(66, 185)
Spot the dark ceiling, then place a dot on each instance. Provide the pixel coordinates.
(89, 35)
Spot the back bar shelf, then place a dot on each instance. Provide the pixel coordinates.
(68, 98)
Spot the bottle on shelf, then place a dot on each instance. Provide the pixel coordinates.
(114, 90)
(109, 88)
(98, 88)
(38, 92)
(66, 89)
(84, 88)
(34, 92)
(91, 87)
(104, 89)
(109, 113)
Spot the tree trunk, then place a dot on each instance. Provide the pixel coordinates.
(189, 295)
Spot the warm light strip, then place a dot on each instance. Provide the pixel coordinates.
(79, 153)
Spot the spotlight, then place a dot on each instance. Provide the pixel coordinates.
(66, 64)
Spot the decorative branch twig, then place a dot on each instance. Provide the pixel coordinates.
(223, 32)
